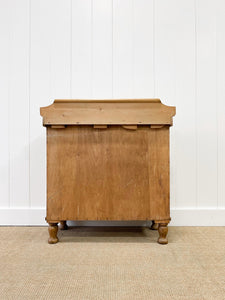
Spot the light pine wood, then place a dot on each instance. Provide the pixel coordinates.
(106, 112)
(154, 226)
(58, 126)
(100, 126)
(163, 230)
(108, 172)
(131, 127)
(53, 229)
(63, 225)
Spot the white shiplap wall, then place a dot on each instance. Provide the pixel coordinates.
(174, 50)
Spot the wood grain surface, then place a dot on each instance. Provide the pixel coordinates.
(108, 174)
(104, 112)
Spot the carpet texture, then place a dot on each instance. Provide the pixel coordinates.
(112, 263)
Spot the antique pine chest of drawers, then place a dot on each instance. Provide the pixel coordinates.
(108, 160)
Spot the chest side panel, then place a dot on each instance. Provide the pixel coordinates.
(159, 173)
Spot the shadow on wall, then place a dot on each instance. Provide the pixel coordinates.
(38, 170)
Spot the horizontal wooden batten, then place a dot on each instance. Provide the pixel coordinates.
(58, 126)
(100, 126)
(130, 127)
(108, 112)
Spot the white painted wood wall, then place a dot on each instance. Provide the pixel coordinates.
(173, 50)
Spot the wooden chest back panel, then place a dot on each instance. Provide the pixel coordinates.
(107, 174)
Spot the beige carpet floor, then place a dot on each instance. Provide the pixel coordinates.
(112, 263)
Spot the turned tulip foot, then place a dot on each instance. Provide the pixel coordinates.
(163, 230)
(63, 225)
(53, 229)
(155, 226)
